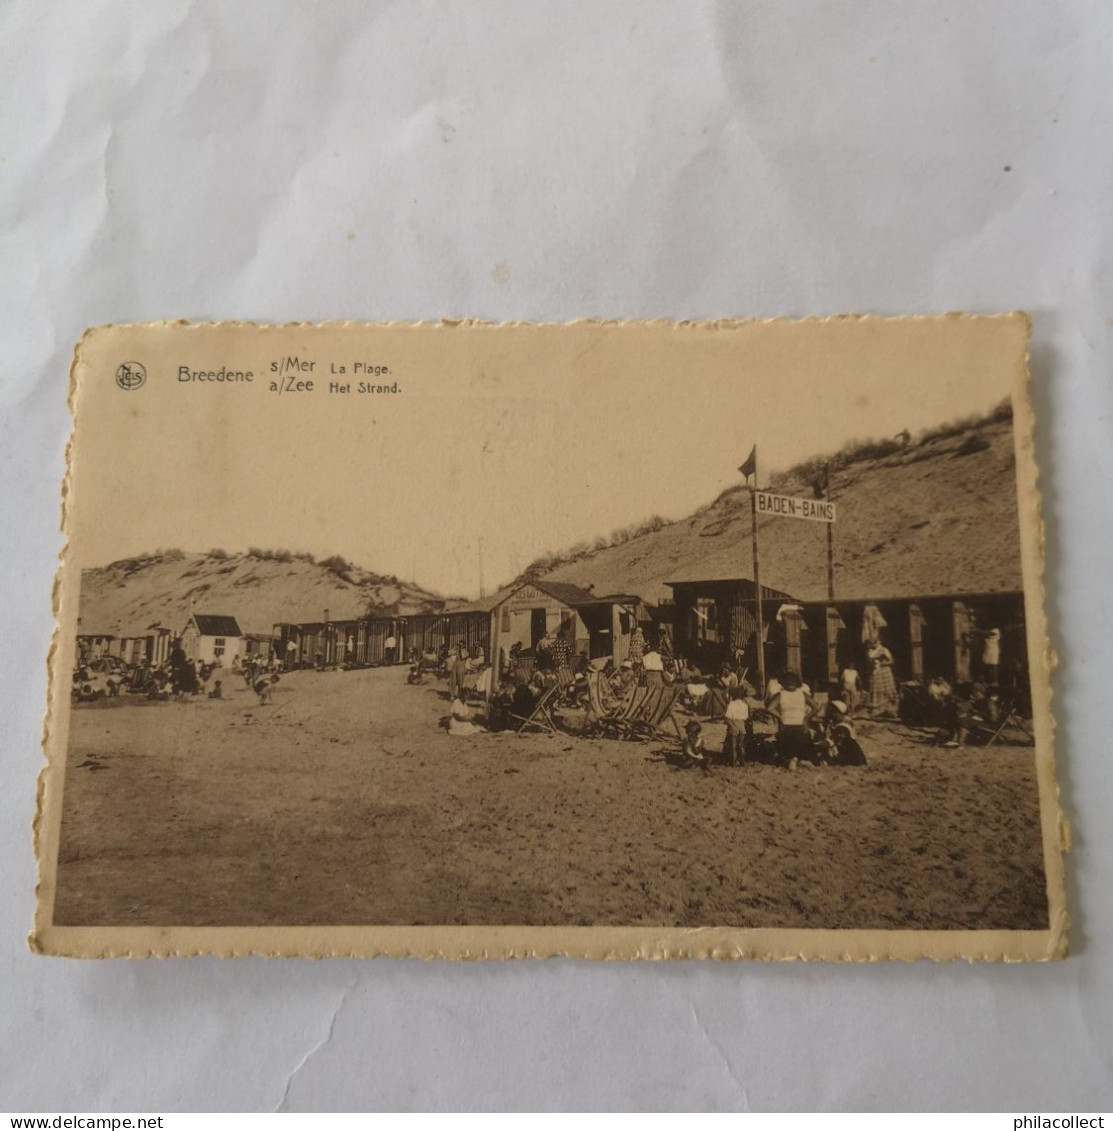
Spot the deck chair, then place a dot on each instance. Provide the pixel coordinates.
(633, 708)
(611, 721)
(541, 717)
(1009, 716)
(916, 708)
(595, 705)
(600, 705)
(716, 702)
(653, 712)
(641, 709)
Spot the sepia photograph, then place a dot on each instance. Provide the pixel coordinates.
(610, 639)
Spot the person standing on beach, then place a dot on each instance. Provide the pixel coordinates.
(654, 668)
(457, 671)
(390, 647)
(883, 686)
(991, 655)
(561, 656)
(772, 690)
(739, 727)
(637, 647)
(852, 689)
(543, 652)
(664, 644)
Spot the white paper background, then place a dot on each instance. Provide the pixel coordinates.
(280, 161)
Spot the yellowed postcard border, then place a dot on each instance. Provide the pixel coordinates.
(578, 942)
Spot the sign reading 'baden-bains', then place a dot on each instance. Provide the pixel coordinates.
(819, 510)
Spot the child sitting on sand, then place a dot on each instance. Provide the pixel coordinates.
(692, 753)
(847, 749)
(459, 721)
(837, 711)
(217, 692)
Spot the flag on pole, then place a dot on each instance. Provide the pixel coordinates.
(750, 466)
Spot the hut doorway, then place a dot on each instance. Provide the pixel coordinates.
(537, 626)
(600, 635)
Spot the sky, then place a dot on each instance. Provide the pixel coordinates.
(503, 443)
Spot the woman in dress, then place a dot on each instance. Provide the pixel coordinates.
(637, 647)
(883, 686)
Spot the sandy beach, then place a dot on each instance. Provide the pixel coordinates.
(345, 802)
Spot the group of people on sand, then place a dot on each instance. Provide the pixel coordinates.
(507, 707)
(260, 674)
(93, 681)
(965, 712)
(469, 676)
(178, 678)
(785, 725)
(805, 730)
(970, 710)
(959, 711)
(466, 670)
(802, 731)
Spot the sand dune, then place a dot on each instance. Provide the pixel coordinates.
(126, 597)
(937, 517)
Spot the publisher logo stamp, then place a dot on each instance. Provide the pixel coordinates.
(131, 375)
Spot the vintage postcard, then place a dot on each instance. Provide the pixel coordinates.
(611, 640)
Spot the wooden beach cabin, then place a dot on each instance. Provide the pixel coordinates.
(362, 642)
(936, 634)
(94, 646)
(715, 620)
(521, 614)
(212, 638)
(130, 646)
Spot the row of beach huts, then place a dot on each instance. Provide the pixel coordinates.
(707, 622)
(206, 638)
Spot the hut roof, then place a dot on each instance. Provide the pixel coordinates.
(574, 596)
(213, 624)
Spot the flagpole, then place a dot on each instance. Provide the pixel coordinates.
(757, 590)
(830, 544)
